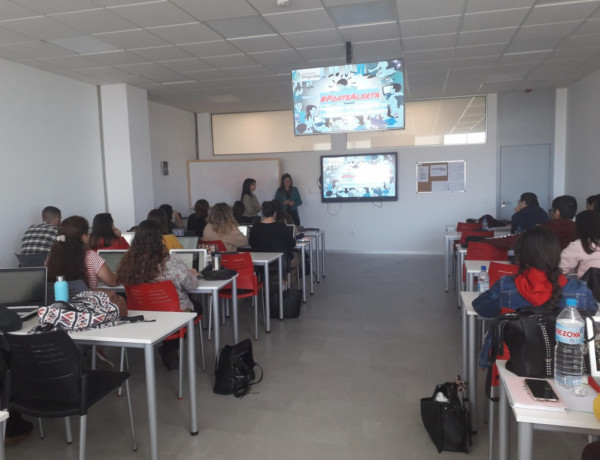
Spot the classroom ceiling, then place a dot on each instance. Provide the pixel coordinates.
(223, 56)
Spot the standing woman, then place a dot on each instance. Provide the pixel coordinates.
(222, 226)
(251, 205)
(105, 235)
(289, 197)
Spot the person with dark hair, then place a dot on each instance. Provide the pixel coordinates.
(592, 203)
(105, 235)
(251, 205)
(269, 235)
(221, 225)
(159, 217)
(584, 252)
(238, 214)
(148, 261)
(289, 196)
(171, 214)
(197, 221)
(527, 213)
(539, 281)
(40, 237)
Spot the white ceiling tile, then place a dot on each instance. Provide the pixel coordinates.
(370, 32)
(591, 26)
(153, 71)
(545, 14)
(205, 75)
(270, 6)
(433, 26)
(430, 65)
(430, 42)
(260, 44)
(185, 33)
(526, 46)
(161, 53)
(42, 28)
(480, 50)
(494, 19)
(323, 52)
(361, 13)
(478, 6)
(241, 27)
(535, 56)
(428, 8)
(211, 10)
(10, 10)
(566, 53)
(577, 41)
(36, 49)
(56, 6)
(8, 36)
(232, 61)
(70, 62)
(541, 31)
(104, 72)
(474, 62)
(483, 37)
(130, 39)
(273, 57)
(82, 44)
(249, 72)
(300, 21)
(498, 87)
(429, 55)
(206, 49)
(153, 14)
(95, 21)
(11, 55)
(186, 65)
(108, 3)
(314, 38)
(116, 58)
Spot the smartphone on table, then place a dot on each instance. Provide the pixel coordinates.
(540, 390)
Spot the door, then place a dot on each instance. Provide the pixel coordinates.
(523, 168)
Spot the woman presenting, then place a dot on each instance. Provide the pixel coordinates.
(289, 197)
(251, 205)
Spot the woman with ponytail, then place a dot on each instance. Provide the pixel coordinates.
(539, 282)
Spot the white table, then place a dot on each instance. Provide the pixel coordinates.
(534, 419)
(320, 250)
(265, 259)
(3, 418)
(469, 350)
(303, 244)
(145, 335)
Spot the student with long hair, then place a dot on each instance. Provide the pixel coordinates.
(159, 217)
(171, 215)
(592, 203)
(289, 197)
(539, 281)
(221, 225)
(148, 261)
(248, 198)
(584, 252)
(197, 221)
(105, 235)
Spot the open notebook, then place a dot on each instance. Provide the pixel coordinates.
(23, 289)
(112, 257)
(193, 258)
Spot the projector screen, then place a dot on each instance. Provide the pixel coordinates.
(359, 178)
(349, 98)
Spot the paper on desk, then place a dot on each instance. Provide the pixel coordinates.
(521, 397)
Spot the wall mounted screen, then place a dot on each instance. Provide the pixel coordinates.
(349, 98)
(359, 178)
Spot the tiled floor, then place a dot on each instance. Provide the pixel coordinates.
(343, 381)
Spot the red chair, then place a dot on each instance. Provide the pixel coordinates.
(483, 251)
(461, 226)
(497, 271)
(162, 296)
(247, 281)
(212, 246)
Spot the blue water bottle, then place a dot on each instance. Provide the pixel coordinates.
(61, 290)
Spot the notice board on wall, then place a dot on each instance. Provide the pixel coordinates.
(221, 181)
(441, 176)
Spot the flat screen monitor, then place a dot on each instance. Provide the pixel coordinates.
(359, 178)
(349, 98)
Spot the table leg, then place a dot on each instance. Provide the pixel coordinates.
(234, 302)
(303, 275)
(525, 433)
(503, 425)
(280, 267)
(216, 326)
(310, 256)
(323, 245)
(470, 281)
(472, 371)
(151, 397)
(267, 299)
(446, 261)
(465, 345)
(192, 375)
(318, 259)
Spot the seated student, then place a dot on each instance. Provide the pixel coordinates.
(222, 226)
(197, 221)
(269, 235)
(539, 281)
(160, 218)
(238, 214)
(584, 252)
(40, 237)
(168, 210)
(72, 258)
(592, 203)
(527, 213)
(148, 261)
(563, 210)
(105, 235)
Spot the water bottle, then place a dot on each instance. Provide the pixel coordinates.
(568, 354)
(216, 258)
(483, 280)
(61, 289)
(484, 224)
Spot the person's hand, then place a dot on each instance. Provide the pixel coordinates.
(194, 271)
(291, 203)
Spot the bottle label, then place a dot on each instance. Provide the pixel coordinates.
(569, 334)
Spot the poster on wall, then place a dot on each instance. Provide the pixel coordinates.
(441, 176)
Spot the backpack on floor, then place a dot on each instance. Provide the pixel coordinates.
(234, 372)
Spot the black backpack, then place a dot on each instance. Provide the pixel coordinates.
(234, 373)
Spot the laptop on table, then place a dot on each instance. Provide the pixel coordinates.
(23, 290)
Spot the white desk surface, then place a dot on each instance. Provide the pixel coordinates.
(265, 257)
(474, 266)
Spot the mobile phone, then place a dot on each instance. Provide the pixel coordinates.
(540, 390)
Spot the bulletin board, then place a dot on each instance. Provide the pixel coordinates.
(441, 176)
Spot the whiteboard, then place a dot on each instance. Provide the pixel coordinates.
(221, 181)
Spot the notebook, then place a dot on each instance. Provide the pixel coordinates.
(23, 290)
(245, 229)
(112, 257)
(193, 258)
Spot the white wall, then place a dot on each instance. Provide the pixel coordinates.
(50, 151)
(583, 139)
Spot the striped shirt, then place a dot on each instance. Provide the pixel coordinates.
(38, 238)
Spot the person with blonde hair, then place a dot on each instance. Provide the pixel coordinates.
(221, 225)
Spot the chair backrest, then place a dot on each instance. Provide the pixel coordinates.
(483, 251)
(465, 233)
(112, 257)
(592, 278)
(212, 246)
(32, 260)
(241, 262)
(497, 271)
(44, 367)
(75, 287)
(468, 226)
(188, 242)
(160, 296)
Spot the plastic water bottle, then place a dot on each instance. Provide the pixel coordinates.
(61, 289)
(568, 354)
(484, 224)
(483, 280)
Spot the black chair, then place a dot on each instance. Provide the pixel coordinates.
(45, 380)
(32, 260)
(592, 278)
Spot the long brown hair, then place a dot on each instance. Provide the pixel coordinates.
(102, 234)
(67, 255)
(221, 218)
(146, 256)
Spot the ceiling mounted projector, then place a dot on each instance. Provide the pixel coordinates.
(283, 3)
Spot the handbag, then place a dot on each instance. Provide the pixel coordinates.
(292, 302)
(214, 275)
(235, 370)
(86, 310)
(446, 417)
